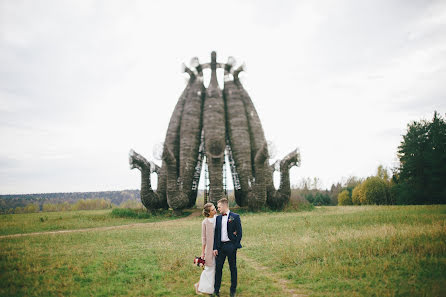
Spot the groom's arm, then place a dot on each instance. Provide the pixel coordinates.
(238, 228)
(215, 238)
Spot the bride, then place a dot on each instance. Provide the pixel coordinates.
(207, 278)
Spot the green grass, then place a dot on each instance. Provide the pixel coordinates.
(143, 214)
(365, 251)
(329, 251)
(66, 220)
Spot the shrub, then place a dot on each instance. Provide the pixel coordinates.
(48, 207)
(310, 197)
(82, 204)
(29, 208)
(131, 203)
(144, 214)
(33, 207)
(344, 198)
(64, 206)
(18, 209)
(89, 204)
(374, 190)
(130, 213)
(321, 199)
(298, 203)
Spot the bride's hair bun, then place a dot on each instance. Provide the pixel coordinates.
(207, 209)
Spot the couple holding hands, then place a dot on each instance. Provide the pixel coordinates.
(221, 237)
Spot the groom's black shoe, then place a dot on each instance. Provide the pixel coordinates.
(232, 294)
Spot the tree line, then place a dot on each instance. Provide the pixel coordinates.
(63, 201)
(82, 204)
(419, 178)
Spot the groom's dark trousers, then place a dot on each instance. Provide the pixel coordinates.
(227, 249)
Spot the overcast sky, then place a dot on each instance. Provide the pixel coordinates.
(82, 82)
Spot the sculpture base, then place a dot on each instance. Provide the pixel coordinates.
(178, 212)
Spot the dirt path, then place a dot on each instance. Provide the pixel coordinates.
(195, 213)
(284, 284)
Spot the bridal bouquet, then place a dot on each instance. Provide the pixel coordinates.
(199, 261)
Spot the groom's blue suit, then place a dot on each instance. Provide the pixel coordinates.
(227, 249)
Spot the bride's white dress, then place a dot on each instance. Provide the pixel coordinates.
(207, 278)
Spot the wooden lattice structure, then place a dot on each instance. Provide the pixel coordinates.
(206, 125)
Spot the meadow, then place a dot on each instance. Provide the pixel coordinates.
(325, 251)
(69, 220)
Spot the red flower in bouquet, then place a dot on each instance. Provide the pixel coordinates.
(199, 261)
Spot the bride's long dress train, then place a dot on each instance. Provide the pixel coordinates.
(207, 279)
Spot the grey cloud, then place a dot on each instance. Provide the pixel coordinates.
(273, 13)
(7, 163)
(63, 60)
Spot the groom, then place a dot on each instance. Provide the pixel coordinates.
(227, 236)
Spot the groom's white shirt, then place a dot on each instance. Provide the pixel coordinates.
(224, 228)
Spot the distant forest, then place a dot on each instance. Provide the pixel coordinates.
(116, 197)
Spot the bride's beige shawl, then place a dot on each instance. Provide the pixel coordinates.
(207, 238)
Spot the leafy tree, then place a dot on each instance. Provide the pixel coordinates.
(344, 198)
(334, 192)
(33, 207)
(374, 190)
(351, 183)
(422, 171)
(316, 184)
(356, 194)
(383, 173)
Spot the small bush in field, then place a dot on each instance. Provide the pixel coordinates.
(30, 208)
(130, 213)
(133, 204)
(143, 213)
(321, 199)
(344, 198)
(89, 204)
(82, 204)
(298, 203)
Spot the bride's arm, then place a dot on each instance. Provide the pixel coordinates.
(202, 251)
(203, 239)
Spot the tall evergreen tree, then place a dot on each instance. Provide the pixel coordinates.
(422, 154)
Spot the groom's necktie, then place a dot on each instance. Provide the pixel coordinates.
(224, 214)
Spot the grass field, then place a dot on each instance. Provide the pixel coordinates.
(329, 251)
(67, 220)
